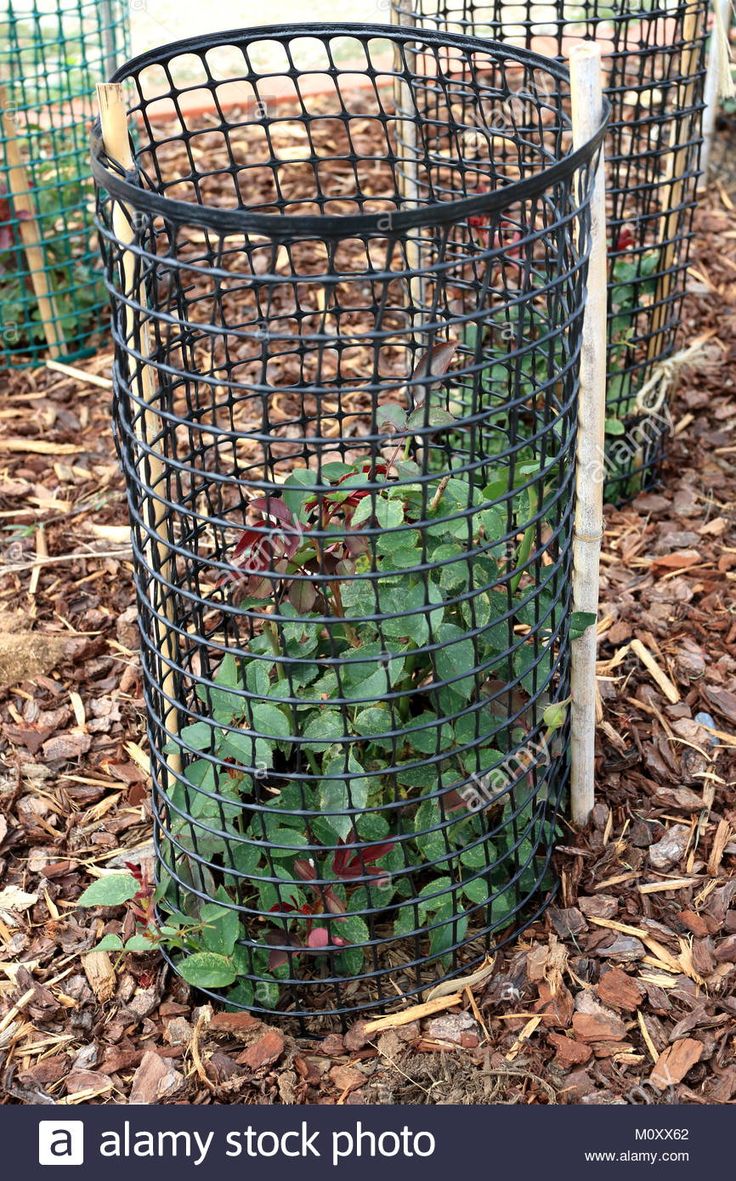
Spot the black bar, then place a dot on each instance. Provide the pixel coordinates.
(395, 1143)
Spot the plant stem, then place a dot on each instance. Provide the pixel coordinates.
(435, 501)
(525, 546)
(340, 613)
(273, 636)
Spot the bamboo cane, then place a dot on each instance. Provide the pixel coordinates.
(587, 113)
(718, 83)
(114, 122)
(692, 31)
(107, 22)
(30, 234)
(408, 171)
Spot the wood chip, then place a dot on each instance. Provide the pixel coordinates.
(673, 1063)
(40, 447)
(414, 1013)
(665, 887)
(457, 984)
(653, 1052)
(720, 840)
(648, 940)
(524, 1036)
(80, 375)
(658, 676)
(619, 989)
(99, 972)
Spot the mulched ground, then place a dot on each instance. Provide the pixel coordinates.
(623, 993)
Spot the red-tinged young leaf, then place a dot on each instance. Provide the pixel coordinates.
(625, 239)
(302, 596)
(350, 862)
(435, 362)
(319, 940)
(334, 904)
(305, 869)
(279, 955)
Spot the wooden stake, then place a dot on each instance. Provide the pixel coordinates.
(25, 209)
(677, 162)
(587, 114)
(114, 121)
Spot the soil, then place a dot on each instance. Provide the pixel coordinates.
(623, 992)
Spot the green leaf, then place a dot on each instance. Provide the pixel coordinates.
(257, 678)
(493, 522)
(389, 513)
(326, 725)
(580, 621)
(441, 887)
(206, 969)
(198, 736)
(223, 705)
(502, 906)
(430, 844)
(353, 928)
(404, 923)
(268, 993)
(270, 725)
(372, 722)
(111, 890)
(290, 837)
(398, 551)
(221, 928)
(430, 740)
(614, 426)
(368, 678)
(246, 858)
(372, 826)
(270, 721)
(298, 488)
(437, 417)
(478, 857)
(363, 512)
(110, 943)
(452, 565)
(359, 598)
(337, 795)
(331, 472)
(555, 715)
(409, 604)
(139, 943)
(455, 658)
(241, 994)
(444, 937)
(247, 750)
(350, 961)
(477, 890)
(389, 414)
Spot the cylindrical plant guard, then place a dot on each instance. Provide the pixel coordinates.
(352, 514)
(654, 61)
(52, 52)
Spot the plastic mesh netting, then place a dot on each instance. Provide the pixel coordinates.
(346, 413)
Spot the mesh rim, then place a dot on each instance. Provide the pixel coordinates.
(277, 225)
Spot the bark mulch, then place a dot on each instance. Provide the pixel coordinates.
(623, 993)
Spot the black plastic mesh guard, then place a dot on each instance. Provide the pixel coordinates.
(350, 468)
(654, 56)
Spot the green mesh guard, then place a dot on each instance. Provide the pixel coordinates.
(52, 52)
